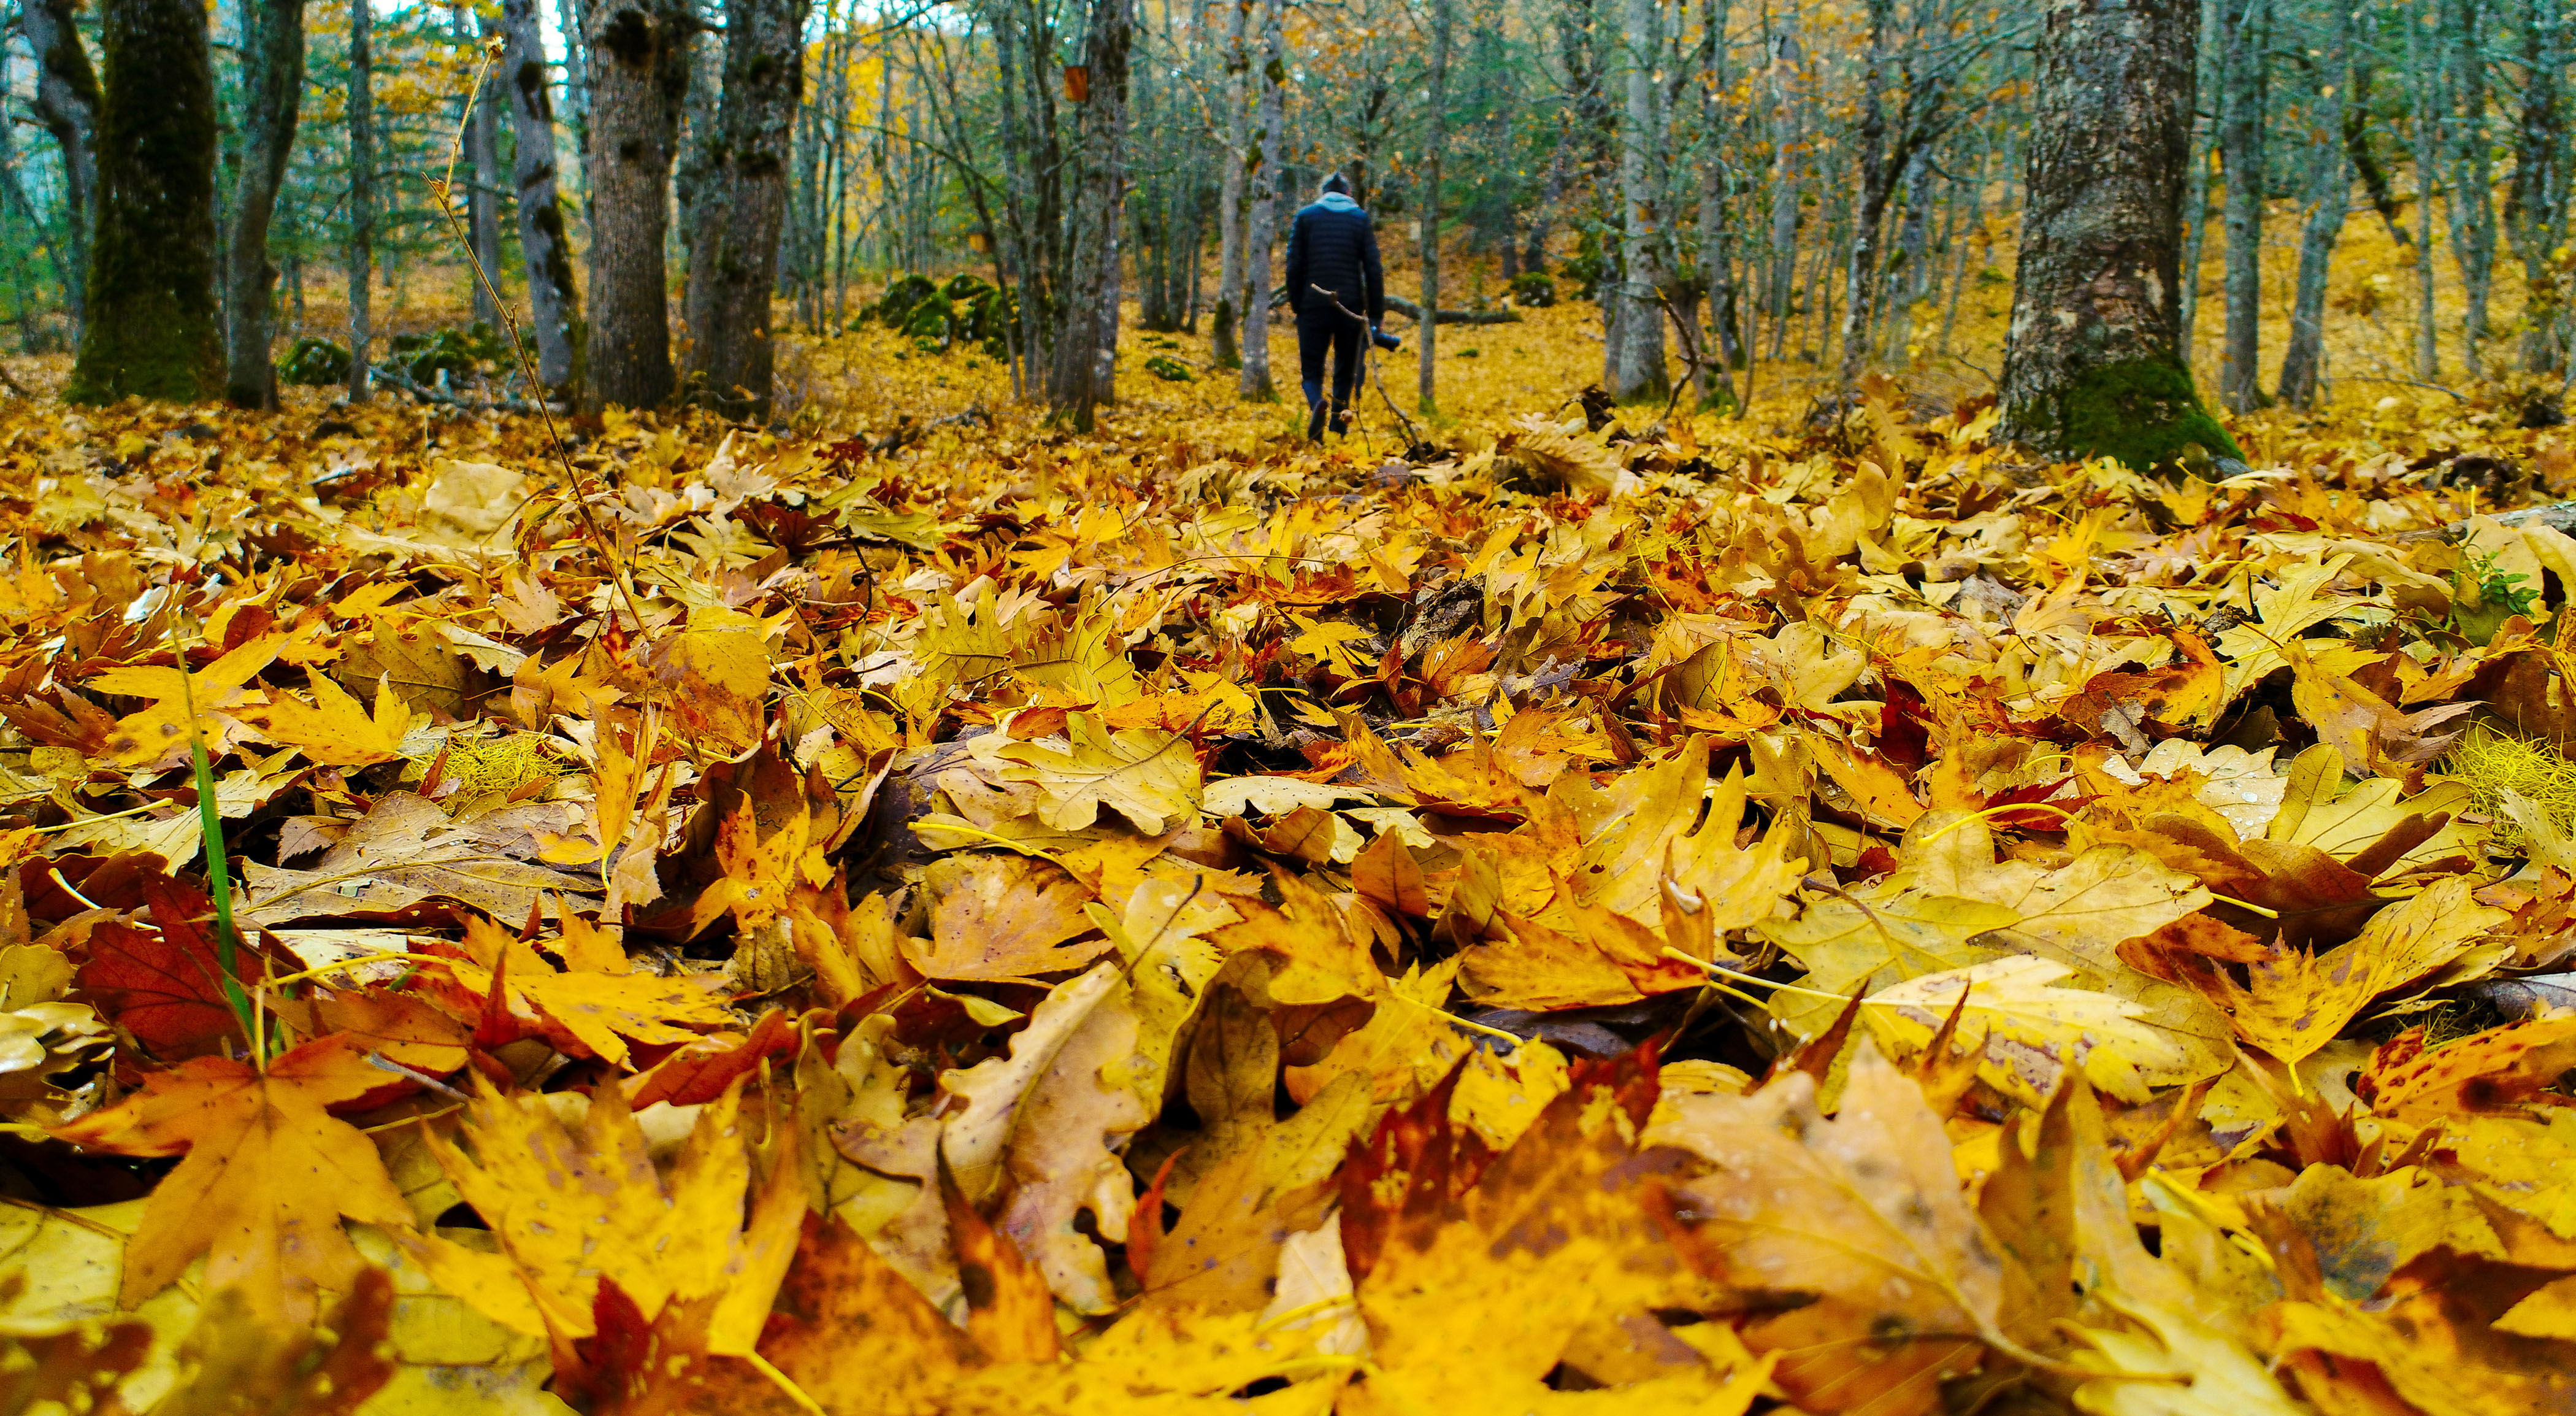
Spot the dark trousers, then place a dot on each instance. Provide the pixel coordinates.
(1321, 329)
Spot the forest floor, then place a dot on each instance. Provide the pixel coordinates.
(919, 911)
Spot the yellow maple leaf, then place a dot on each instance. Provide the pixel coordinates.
(1146, 776)
(336, 731)
(572, 1205)
(161, 733)
(266, 1178)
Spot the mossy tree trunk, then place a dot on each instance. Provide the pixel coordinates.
(734, 261)
(153, 327)
(272, 91)
(639, 78)
(554, 308)
(2092, 364)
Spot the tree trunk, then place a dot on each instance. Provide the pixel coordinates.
(2240, 147)
(697, 203)
(1877, 184)
(2425, 80)
(1223, 349)
(1716, 267)
(1076, 386)
(1638, 373)
(1970, 236)
(272, 90)
(1436, 114)
(1913, 257)
(2197, 184)
(2303, 358)
(639, 77)
(554, 309)
(2091, 363)
(2536, 202)
(1262, 189)
(1031, 169)
(153, 323)
(362, 194)
(2473, 235)
(1787, 129)
(734, 262)
(576, 84)
(483, 199)
(2365, 160)
(67, 105)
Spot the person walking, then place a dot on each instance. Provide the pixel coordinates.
(1338, 294)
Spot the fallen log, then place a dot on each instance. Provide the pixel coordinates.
(2557, 516)
(1413, 312)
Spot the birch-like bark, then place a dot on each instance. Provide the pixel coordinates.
(2330, 198)
(272, 90)
(1716, 266)
(362, 195)
(2424, 79)
(2240, 146)
(1086, 341)
(67, 105)
(1442, 20)
(2536, 202)
(1269, 133)
(1232, 298)
(2473, 233)
(554, 308)
(1638, 372)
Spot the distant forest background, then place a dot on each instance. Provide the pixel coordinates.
(1835, 185)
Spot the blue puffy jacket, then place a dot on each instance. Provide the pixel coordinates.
(1334, 246)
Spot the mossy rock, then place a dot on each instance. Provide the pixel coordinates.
(1533, 290)
(424, 356)
(1169, 369)
(314, 362)
(939, 315)
(929, 320)
(896, 305)
(2144, 412)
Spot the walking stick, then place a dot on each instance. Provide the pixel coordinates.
(1412, 437)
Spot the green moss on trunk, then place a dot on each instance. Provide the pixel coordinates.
(2143, 412)
(153, 327)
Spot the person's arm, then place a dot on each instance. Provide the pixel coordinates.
(1296, 269)
(1371, 275)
